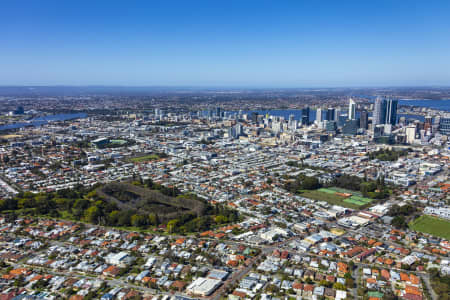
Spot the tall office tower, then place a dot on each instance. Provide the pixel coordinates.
(291, 117)
(239, 129)
(319, 115)
(411, 134)
(351, 109)
(305, 116)
(218, 112)
(364, 120)
(337, 114)
(444, 124)
(341, 120)
(293, 125)
(391, 111)
(330, 114)
(330, 126)
(254, 117)
(350, 127)
(379, 112)
(428, 122)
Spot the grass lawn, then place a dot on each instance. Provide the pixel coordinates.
(145, 158)
(332, 199)
(355, 201)
(358, 200)
(432, 225)
(118, 142)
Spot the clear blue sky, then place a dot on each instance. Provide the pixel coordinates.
(225, 43)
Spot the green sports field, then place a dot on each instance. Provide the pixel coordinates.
(330, 195)
(145, 158)
(432, 225)
(355, 198)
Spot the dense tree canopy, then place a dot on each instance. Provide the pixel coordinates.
(86, 205)
(388, 155)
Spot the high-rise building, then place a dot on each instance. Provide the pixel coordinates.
(341, 119)
(444, 125)
(305, 116)
(218, 112)
(351, 109)
(350, 127)
(330, 126)
(330, 114)
(337, 113)
(254, 117)
(428, 123)
(391, 111)
(411, 134)
(293, 125)
(19, 110)
(364, 119)
(319, 115)
(239, 129)
(379, 111)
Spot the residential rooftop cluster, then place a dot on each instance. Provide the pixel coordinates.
(342, 206)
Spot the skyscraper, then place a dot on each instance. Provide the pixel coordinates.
(428, 123)
(238, 129)
(319, 115)
(340, 120)
(444, 124)
(351, 109)
(364, 120)
(218, 112)
(330, 114)
(379, 112)
(391, 111)
(305, 116)
(337, 113)
(350, 127)
(254, 117)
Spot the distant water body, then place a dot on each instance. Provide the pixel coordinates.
(39, 121)
(436, 104)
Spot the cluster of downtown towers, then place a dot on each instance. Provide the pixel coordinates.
(384, 112)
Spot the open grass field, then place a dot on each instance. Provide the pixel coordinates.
(145, 158)
(330, 195)
(118, 142)
(432, 225)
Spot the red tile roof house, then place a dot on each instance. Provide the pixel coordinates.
(111, 271)
(308, 290)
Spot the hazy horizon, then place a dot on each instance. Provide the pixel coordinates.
(250, 44)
